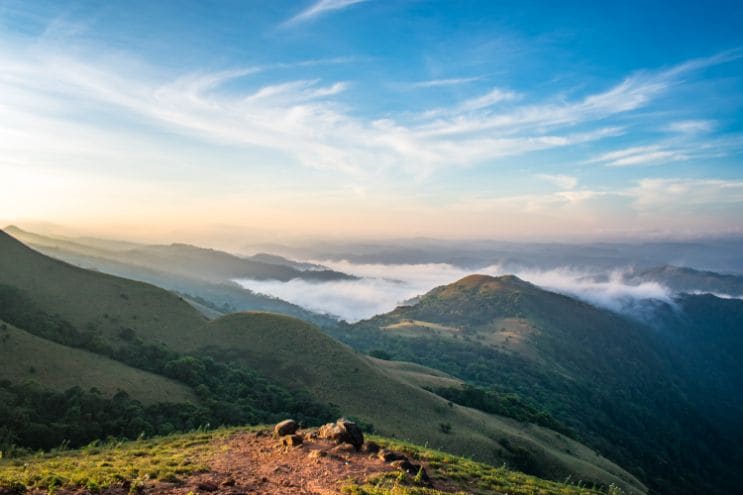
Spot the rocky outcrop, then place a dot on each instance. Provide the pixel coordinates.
(343, 431)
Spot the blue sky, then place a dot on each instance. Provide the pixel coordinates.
(373, 118)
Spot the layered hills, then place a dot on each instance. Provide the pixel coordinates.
(203, 276)
(239, 368)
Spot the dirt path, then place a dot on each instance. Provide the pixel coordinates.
(253, 463)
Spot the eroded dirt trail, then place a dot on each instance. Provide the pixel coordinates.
(255, 463)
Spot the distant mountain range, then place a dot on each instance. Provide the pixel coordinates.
(203, 276)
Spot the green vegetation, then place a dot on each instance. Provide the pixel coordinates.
(227, 394)
(504, 404)
(644, 396)
(465, 476)
(103, 464)
(173, 458)
(225, 362)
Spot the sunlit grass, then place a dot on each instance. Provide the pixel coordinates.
(100, 465)
(461, 476)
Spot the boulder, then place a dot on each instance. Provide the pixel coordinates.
(293, 440)
(286, 427)
(343, 431)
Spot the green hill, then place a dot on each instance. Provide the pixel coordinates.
(27, 358)
(223, 361)
(618, 383)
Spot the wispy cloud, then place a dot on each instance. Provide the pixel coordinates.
(305, 122)
(691, 126)
(561, 181)
(496, 95)
(640, 155)
(435, 83)
(679, 194)
(320, 8)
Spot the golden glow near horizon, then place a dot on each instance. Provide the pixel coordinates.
(298, 130)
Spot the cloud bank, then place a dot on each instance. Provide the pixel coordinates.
(382, 287)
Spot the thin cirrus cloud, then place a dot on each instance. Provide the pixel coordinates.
(320, 8)
(640, 155)
(304, 121)
(436, 83)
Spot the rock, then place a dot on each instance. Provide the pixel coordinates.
(228, 482)
(286, 427)
(207, 486)
(412, 469)
(372, 447)
(343, 431)
(316, 454)
(390, 456)
(343, 448)
(292, 440)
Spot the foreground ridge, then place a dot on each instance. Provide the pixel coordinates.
(238, 461)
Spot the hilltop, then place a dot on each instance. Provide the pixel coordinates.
(640, 394)
(231, 461)
(252, 367)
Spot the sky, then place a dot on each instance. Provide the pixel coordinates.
(372, 118)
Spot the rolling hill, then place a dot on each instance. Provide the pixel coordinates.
(251, 366)
(626, 388)
(193, 279)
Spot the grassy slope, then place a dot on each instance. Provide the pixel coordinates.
(293, 353)
(178, 456)
(416, 374)
(25, 357)
(605, 376)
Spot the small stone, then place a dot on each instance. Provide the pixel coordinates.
(292, 440)
(207, 486)
(286, 427)
(316, 454)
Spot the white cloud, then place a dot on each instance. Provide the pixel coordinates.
(561, 181)
(641, 155)
(496, 95)
(384, 286)
(691, 126)
(661, 156)
(321, 7)
(434, 83)
(681, 194)
(303, 121)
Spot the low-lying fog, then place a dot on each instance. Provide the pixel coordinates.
(384, 286)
